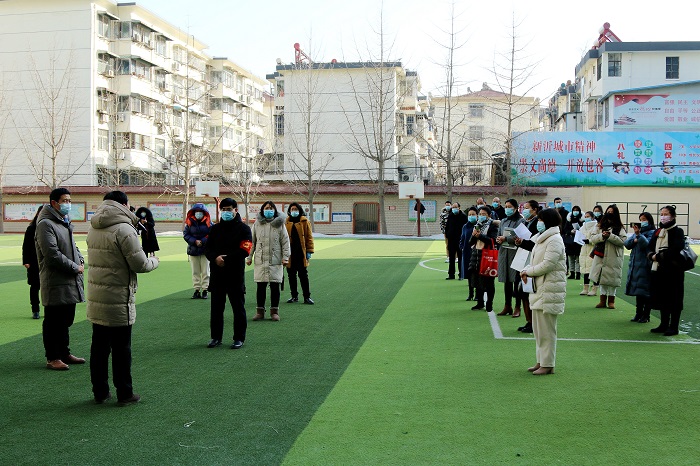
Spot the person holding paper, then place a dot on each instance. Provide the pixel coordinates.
(467, 230)
(483, 236)
(608, 256)
(571, 226)
(530, 211)
(506, 275)
(548, 270)
(585, 260)
(639, 270)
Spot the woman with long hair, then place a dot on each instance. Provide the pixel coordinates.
(608, 256)
(301, 241)
(147, 229)
(639, 270)
(530, 211)
(590, 225)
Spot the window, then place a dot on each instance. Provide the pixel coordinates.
(279, 125)
(161, 47)
(475, 175)
(275, 165)
(614, 64)
(476, 132)
(102, 139)
(476, 110)
(474, 153)
(599, 68)
(672, 67)
(104, 26)
(410, 124)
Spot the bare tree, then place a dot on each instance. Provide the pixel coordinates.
(52, 109)
(306, 103)
(4, 150)
(371, 113)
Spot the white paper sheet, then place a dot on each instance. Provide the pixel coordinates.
(529, 287)
(522, 232)
(579, 237)
(521, 260)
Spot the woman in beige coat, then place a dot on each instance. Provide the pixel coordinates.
(548, 269)
(270, 253)
(590, 226)
(608, 256)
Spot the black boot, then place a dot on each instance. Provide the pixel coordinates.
(673, 327)
(646, 312)
(471, 294)
(578, 275)
(663, 326)
(479, 305)
(572, 276)
(638, 313)
(527, 328)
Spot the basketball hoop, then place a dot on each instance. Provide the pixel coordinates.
(410, 196)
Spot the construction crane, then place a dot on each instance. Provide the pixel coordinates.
(300, 56)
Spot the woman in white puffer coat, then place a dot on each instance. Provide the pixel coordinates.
(548, 270)
(589, 228)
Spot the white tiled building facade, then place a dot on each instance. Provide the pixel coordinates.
(138, 100)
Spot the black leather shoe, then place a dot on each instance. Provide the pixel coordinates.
(670, 332)
(205, 294)
(129, 401)
(478, 307)
(450, 278)
(214, 343)
(293, 300)
(196, 295)
(103, 399)
(658, 330)
(237, 344)
(308, 301)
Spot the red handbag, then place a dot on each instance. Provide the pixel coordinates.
(489, 263)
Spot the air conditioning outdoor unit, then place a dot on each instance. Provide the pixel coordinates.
(177, 132)
(121, 117)
(405, 177)
(109, 73)
(165, 166)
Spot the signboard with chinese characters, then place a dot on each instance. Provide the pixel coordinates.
(165, 212)
(628, 158)
(650, 111)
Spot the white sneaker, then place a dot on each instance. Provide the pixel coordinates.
(447, 261)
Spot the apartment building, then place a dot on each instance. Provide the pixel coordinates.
(139, 101)
(479, 133)
(346, 121)
(650, 86)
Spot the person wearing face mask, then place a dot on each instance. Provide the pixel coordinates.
(548, 270)
(480, 203)
(574, 222)
(31, 265)
(465, 261)
(444, 215)
(639, 269)
(608, 256)
(585, 260)
(561, 210)
(498, 212)
(230, 242)
(506, 253)
(530, 210)
(270, 252)
(147, 229)
(453, 231)
(301, 241)
(483, 236)
(61, 267)
(667, 287)
(196, 233)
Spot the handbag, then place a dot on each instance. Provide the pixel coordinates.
(688, 258)
(488, 267)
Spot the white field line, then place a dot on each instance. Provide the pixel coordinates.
(498, 333)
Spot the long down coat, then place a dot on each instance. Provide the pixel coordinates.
(548, 269)
(639, 270)
(585, 260)
(607, 270)
(270, 248)
(116, 257)
(507, 251)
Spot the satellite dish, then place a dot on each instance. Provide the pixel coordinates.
(279, 61)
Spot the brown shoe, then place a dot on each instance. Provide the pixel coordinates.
(611, 302)
(274, 314)
(73, 360)
(544, 371)
(259, 313)
(57, 365)
(516, 312)
(534, 368)
(602, 303)
(507, 310)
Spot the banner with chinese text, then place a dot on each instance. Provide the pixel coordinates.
(607, 158)
(649, 111)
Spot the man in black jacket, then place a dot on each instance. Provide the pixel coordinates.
(230, 242)
(453, 231)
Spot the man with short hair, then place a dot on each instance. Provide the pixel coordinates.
(559, 206)
(453, 232)
(116, 257)
(498, 212)
(444, 215)
(60, 277)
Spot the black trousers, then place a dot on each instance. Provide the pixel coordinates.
(117, 341)
(512, 289)
(261, 294)
(34, 297)
(236, 297)
(485, 285)
(57, 321)
(453, 254)
(303, 279)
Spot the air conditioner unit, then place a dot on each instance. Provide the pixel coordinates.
(177, 132)
(405, 177)
(165, 166)
(104, 118)
(109, 73)
(121, 117)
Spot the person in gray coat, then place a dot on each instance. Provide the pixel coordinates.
(506, 253)
(116, 256)
(61, 277)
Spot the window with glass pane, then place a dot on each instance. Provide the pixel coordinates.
(102, 139)
(476, 132)
(160, 147)
(410, 124)
(599, 68)
(474, 153)
(672, 67)
(475, 175)
(614, 64)
(476, 110)
(279, 125)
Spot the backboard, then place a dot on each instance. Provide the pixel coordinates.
(206, 188)
(411, 190)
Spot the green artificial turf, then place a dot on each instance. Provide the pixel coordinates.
(389, 367)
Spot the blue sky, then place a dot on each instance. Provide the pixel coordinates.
(554, 34)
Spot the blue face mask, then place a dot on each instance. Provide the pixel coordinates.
(479, 206)
(645, 224)
(495, 205)
(268, 213)
(587, 219)
(509, 211)
(199, 215)
(226, 216)
(527, 213)
(597, 214)
(557, 205)
(455, 211)
(575, 213)
(482, 218)
(541, 227)
(65, 209)
(294, 213)
(472, 218)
